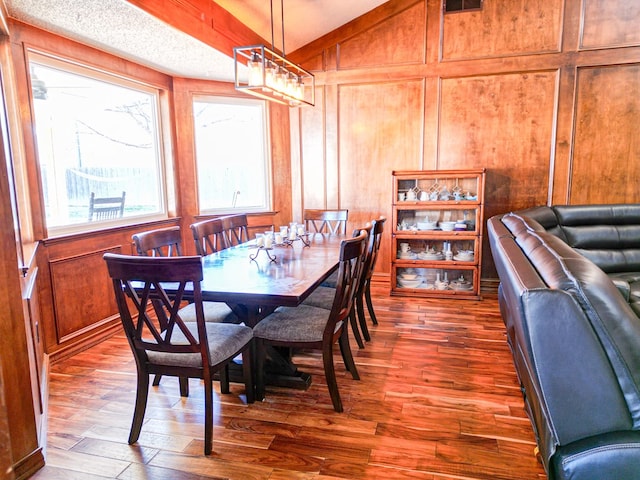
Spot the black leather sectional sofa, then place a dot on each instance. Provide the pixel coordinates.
(570, 299)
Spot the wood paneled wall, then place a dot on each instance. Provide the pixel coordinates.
(79, 310)
(544, 94)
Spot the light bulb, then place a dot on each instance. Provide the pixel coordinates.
(291, 85)
(255, 70)
(270, 75)
(299, 92)
(281, 81)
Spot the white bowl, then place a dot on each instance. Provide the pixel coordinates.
(408, 276)
(447, 226)
(410, 283)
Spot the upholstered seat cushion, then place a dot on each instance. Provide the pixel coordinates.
(224, 339)
(217, 312)
(304, 323)
(331, 280)
(321, 297)
(628, 284)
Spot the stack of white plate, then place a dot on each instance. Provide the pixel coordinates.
(431, 255)
(464, 256)
(407, 255)
(461, 285)
(427, 225)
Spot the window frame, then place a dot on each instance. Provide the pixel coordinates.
(161, 142)
(268, 164)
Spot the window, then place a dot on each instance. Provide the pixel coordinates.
(231, 154)
(97, 136)
(462, 5)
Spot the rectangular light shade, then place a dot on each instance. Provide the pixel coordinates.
(273, 77)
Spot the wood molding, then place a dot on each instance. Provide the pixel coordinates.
(28, 465)
(96, 336)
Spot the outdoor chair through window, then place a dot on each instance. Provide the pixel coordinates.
(105, 208)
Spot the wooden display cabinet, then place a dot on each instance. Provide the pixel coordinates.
(438, 218)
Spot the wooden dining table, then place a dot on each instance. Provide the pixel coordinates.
(283, 276)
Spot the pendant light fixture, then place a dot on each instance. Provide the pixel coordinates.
(272, 76)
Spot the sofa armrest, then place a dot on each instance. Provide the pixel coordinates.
(610, 456)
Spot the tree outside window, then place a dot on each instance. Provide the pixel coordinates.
(231, 154)
(95, 135)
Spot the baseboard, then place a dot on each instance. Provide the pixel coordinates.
(79, 344)
(29, 465)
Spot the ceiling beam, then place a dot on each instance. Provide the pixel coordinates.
(204, 20)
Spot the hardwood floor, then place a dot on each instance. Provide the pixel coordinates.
(438, 399)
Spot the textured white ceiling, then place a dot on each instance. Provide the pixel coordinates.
(304, 20)
(118, 27)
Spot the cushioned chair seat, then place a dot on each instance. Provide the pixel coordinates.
(224, 340)
(331, 281)
(321, 297)
(294, 324)
(216, 312)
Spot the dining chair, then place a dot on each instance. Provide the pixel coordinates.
(311, 327)
(326, 221)
(167, 242)
(323, 294)
(161, 242)
(183, 349)
(235, 229)
(105, 208)
(208, 236)
(364, 293)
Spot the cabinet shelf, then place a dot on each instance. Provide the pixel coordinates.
(437, 233)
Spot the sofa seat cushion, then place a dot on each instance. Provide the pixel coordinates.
(614, 455)
(628, 284)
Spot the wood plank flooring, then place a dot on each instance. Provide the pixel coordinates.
(438, 399)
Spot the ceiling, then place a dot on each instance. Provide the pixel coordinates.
(120, 28)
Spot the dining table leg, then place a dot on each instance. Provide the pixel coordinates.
(279, 367)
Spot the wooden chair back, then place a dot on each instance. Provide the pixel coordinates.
(208, 236)
(169, 345)
(326, 221)
(235, 229)
(373, 247)
(162, 242)
(105, 208)
(351, 268)
(137, 280)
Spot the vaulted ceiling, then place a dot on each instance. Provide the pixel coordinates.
(121, 28)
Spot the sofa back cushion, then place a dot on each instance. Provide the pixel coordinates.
(608, 235)
(612, 319)
(556, 351)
